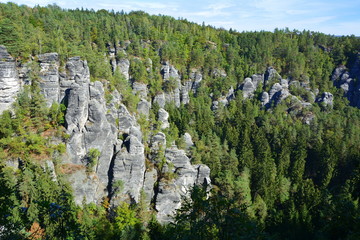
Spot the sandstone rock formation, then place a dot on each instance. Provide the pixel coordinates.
(123, 171)
(49, 74)
(9, 81)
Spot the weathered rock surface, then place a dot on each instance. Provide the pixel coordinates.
(171, 77)
(188, 140)
(140, 89)
(49, 74)
(278, 93)
(170, 192)
(89, 128)
(120, 171)
(346, 80)
(9, 81)
(160, 100)
(126, 120)
(123, 65)
(264, 98)
(196, 77)
(163, 117)
(271, 75)
(326, 98)
(144, 107)
(248, 88)
(158, 141)
(129, 168)
(185, 90)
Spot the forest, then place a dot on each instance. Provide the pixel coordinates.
(273, 175)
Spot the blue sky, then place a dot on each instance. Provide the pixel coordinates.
(327, 16)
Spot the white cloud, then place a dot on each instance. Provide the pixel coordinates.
(220, 6)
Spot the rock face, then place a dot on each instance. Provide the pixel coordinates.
(188, 140)
(170, 191)
(49, 74)
(271, 75)
(278, 93)
(250, 85)
(248, 88)
(196, 77)
(171, 79)
(163, 117)
(140, 89)
(264, 98)
(326, 99)
(9, 81)
(144, 107)
(123, 170)
(346, 80)
(124, 65)
(129, 169)
(160, 100)
(88, 127)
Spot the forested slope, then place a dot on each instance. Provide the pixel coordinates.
(274, 115)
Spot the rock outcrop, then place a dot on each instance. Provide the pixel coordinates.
(248, 88)
(171, 190)
(129, 169)
(326, 99)
(163, 117)
(124, 65)
(9, 81)
(121, 170)
(89, 128)
(344, 79)
(49, 74)
(172, 84)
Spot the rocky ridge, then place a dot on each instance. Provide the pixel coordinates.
(123, 171)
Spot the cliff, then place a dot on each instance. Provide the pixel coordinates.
(107, 127)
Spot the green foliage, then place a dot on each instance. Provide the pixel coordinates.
(92, 158)
(118, 82)
(125, 218)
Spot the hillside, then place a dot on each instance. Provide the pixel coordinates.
(121, 125)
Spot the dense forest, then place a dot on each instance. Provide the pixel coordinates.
(274, 175)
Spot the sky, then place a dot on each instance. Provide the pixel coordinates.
(327, 16)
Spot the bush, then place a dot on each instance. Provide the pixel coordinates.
(92, 159)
